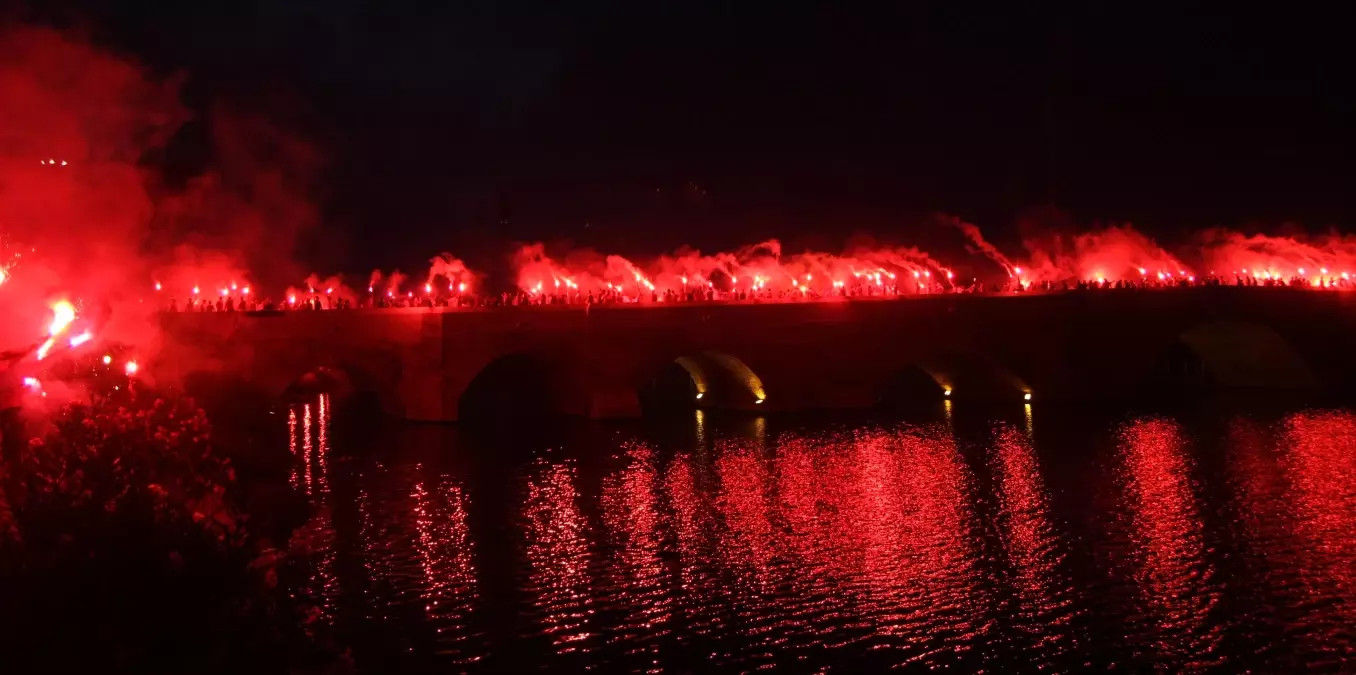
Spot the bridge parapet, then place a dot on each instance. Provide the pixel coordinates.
(422, 363)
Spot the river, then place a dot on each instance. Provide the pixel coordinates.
(1024, 540)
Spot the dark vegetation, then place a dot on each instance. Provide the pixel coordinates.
(130, 542)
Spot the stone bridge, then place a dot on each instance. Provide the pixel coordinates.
(615, 361)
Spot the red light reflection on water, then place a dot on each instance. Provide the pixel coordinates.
(701, 602)
(306, 445)
(933, 546)
(418, 555)
(315, 540)
(637, 581)
(292, 445)
(558, 554)
(1320, 461)
(1175, 581)
(744, 507)
(445, 554)
(1034, 549)
(1297, 506)
(861, 538)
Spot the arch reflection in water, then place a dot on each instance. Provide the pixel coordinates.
(1176, 583)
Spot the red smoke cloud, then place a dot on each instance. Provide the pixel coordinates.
(980, 246)
(252, 207)
(760, 267)
(1114, 253)
(82, 219)
(1231, 254)
(74, 209)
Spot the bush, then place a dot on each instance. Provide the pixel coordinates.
(122, 544)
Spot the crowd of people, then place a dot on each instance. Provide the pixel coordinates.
(865, 287)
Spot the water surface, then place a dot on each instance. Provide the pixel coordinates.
(1010, 541)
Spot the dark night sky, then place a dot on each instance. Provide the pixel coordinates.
(644, 125)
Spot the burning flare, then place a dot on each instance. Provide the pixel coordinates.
(63, 313)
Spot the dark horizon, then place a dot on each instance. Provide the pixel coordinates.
(643, 128)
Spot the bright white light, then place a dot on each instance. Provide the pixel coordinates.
(1026, 396)
(699, 395)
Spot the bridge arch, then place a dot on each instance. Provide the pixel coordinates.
(514, 387)
(358, 391)
(911, 387)
(706, 379)
(321, 380)
(954, 374)
(1231, 355)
